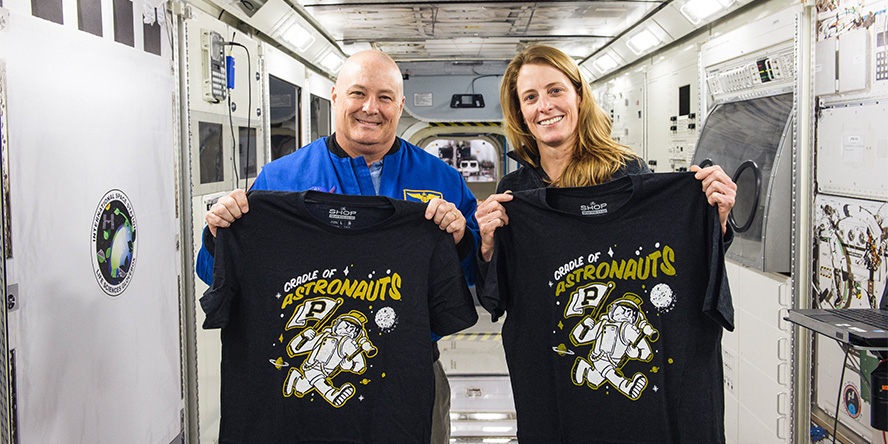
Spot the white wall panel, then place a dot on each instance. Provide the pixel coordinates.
(852, 151)
(629, 110)
(86, 116)
(671, 142)
(759, 299)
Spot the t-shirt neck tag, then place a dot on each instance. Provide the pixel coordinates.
(593, 208)
(342, 217)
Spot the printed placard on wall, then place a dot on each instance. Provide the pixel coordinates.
(114, 242)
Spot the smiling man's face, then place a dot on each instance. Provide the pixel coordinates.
(368, 99)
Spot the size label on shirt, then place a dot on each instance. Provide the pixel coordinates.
(342, 217)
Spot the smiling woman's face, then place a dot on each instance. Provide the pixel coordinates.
(549, 104)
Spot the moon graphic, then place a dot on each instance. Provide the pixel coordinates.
(386, 319)
(662, 296)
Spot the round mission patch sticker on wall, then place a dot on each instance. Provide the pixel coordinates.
(114, 242)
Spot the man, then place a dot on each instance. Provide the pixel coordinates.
(365, 157)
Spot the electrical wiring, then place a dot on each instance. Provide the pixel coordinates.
(249, 118)
(839, 397)
(481, 77)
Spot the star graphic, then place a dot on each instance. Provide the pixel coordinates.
(361, 398)
(610, 252)
(278, 295)
(560, 325)
(656, 389)
(550, 284)
(345, 272)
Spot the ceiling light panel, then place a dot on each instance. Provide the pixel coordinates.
(642, 41)
(604, 63)
(297, 36)
(697, 11)
(332, 62)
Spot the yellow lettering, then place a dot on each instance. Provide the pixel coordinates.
(578, 274)
(347, 289)
(569, 280)
(617, 270)
(559, 288)
(603, 270)
(335, 283)
(631, 269)
(396, 285)
(361, 291)
(321, 286)
(644, 268)
(382, 285)
(655, 256)
(589, 272)
(668, 259)
(287, 301)
(372, 289)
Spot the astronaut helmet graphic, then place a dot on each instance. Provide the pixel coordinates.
(625, 309)
(350, 324)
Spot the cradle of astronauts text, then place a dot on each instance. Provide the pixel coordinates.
(330, 340)
(615, 330)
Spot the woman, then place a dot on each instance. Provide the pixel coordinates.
(561, 138)
(604, 349)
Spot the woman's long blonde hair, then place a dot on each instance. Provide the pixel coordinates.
(596, 157)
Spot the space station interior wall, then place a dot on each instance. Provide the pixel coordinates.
(91, 143)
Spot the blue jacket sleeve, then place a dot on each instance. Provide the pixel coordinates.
(205, 261)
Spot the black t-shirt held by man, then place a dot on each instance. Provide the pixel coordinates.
(615, 299)
(326, 303)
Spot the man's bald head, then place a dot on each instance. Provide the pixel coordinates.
(373, 60)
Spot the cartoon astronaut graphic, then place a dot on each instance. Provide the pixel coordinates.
(340, 347)
(619, 335)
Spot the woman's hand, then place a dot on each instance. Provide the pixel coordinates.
(491, 215)
(720, 190)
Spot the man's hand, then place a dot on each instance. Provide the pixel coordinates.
(226, 210)
(720, 190)
(447, 216)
